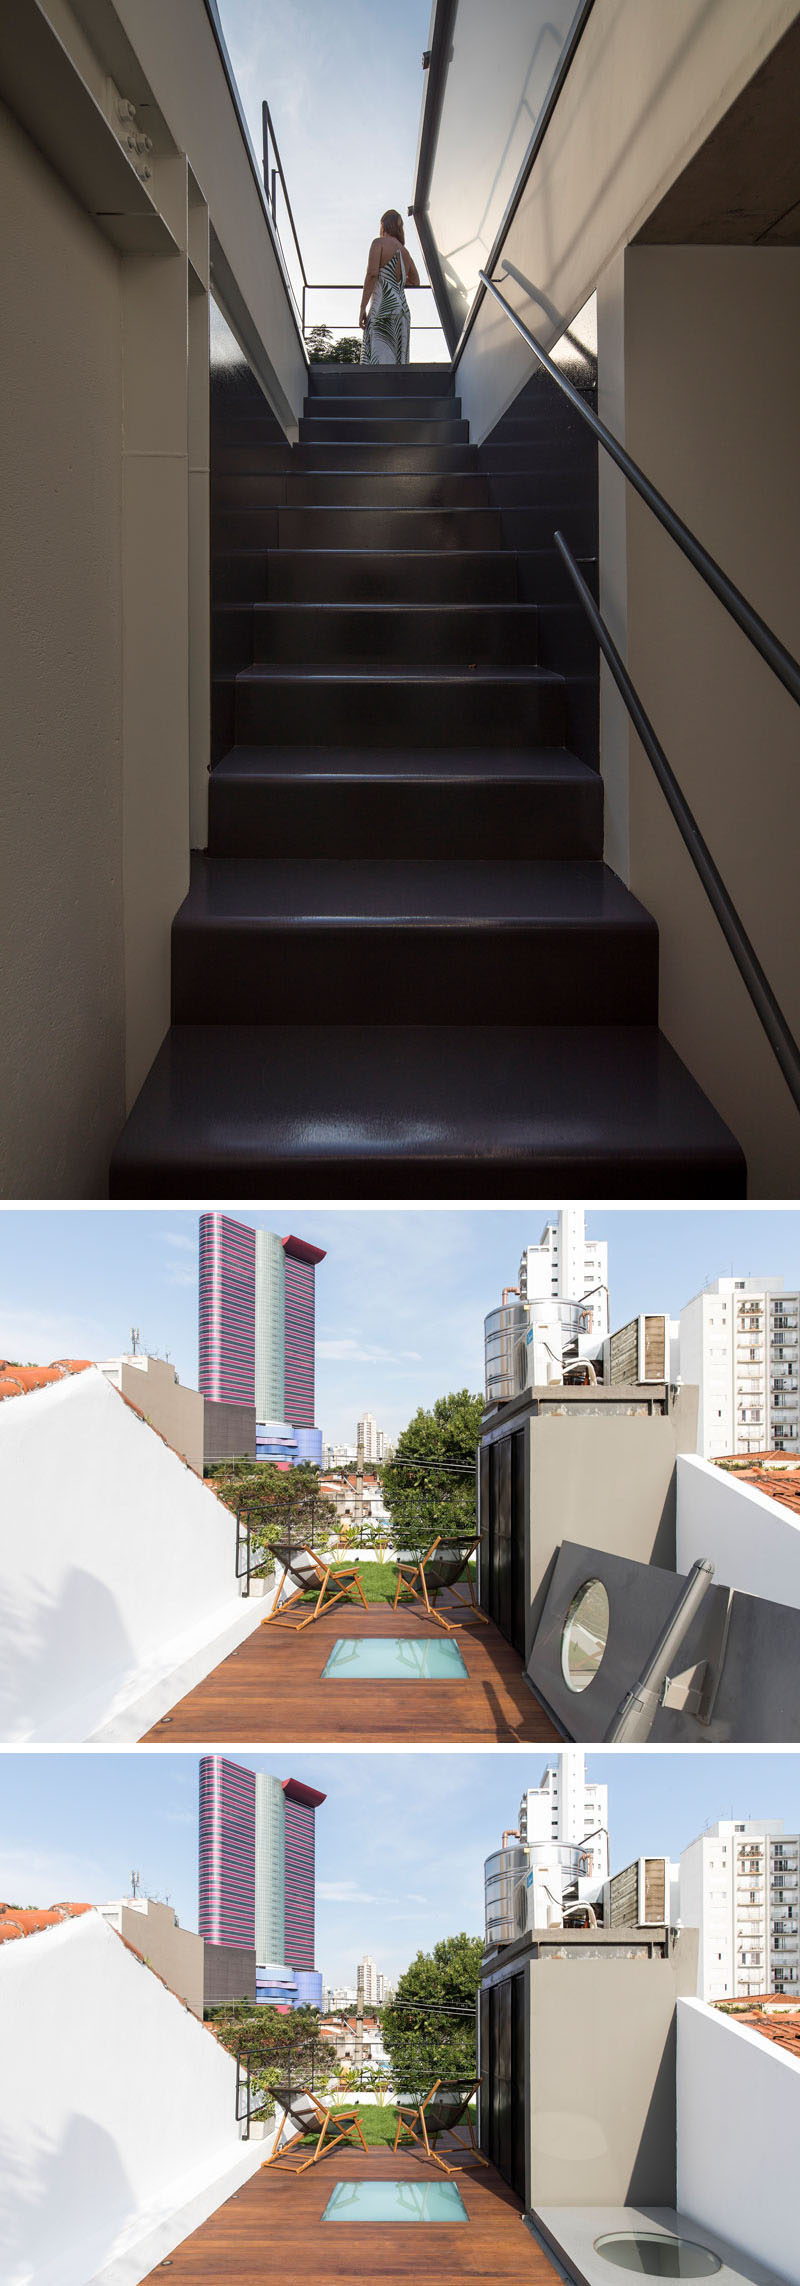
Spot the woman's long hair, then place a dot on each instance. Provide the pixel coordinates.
(392, 223)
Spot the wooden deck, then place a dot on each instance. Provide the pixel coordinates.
(273, 2229)
(271, 1688)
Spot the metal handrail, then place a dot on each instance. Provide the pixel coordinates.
(752, 625)
(771, 1016)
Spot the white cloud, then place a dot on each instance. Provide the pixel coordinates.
(345, 1893)
(346, 1349)
(35, 1337)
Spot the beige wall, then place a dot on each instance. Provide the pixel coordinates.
(176, 1412)
(605, 1483)
(705, 395)
(174, 1953)
(61, 973)
(647, 84)
(602, 2078)
(105, 718)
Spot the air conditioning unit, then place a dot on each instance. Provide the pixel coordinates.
(639, 1351)
(638, 1896)
(540, 1349)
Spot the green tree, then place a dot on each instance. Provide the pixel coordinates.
(425, 2043)
(284, 2050)
(426, 1501)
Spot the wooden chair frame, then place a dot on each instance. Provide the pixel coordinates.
(413, 1577)
(412, 2122)
(344, 2122)
(329, 1576)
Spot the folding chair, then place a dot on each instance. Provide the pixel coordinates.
(308, 1570)
(310, 2117)
(441, 2112)
(443, 1565)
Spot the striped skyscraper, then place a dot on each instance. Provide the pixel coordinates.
(256, 1322)
(227, 1309)
(227, 1840)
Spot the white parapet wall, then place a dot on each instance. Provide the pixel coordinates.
(117, 1568)
(738, 2105)
(117, 2112)
(753, 1542)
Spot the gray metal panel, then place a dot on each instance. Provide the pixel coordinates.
(758, 1697)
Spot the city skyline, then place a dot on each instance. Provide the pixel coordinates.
(396, 1868)
(404, 1295)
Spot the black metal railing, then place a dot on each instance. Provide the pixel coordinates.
(250, 2103)
(273, 177)
(781, 1038)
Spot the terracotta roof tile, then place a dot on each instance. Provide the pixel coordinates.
(27, 1920)
(19, 1380)
(775, 2015)
(776, 1474)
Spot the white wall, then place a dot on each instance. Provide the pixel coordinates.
(646, 86)
(116, 2108)
(111, 1553)
(738, 2104)
(754, 1542)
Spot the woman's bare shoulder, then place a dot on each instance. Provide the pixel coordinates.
(374, 257)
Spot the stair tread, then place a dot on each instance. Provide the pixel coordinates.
(543, 764)
(267, 671)
(473, 892)
(425, 1107)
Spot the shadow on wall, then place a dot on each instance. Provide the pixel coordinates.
(55, 1650)
(62, 2205)
(654, 2170)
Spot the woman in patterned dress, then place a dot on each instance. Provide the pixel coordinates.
(385, 315)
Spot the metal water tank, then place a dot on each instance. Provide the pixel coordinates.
(502, 1875)
(501, 1332)
(552, 1874)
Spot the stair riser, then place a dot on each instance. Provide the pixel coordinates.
(359, 430)
(399, 637)
(356, 381)
(370, 489)
(359, 528)
(545, 457)
(534, 527)
(239, 577)
(388, 973)
(344, 459)
(386, 407)
(423, 818)
(310, 713)
(305, 576)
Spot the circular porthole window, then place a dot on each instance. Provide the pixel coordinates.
(655, 2254)
(585, 1635)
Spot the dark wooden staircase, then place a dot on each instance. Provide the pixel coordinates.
(402, 966)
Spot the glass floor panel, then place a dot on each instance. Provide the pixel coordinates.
(395, 1659)
(385, 2201)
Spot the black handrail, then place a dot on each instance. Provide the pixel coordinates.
(763, 998)
(759, 634)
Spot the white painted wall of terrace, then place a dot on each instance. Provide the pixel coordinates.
(117, 1568)
(738, 2109)
(754, 1542)
(118, 2131)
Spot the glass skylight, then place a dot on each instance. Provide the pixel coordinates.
(402, 2202)
(394, 1659)
(657, 2254)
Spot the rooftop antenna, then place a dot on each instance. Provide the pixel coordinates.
(135, 1883)
(134, 1340)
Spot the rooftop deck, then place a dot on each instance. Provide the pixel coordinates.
(273, 2228)
(271, 1688)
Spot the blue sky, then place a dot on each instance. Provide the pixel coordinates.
(344, 87)
(401, 1838)
(401, 1298)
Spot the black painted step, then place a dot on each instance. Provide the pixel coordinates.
(388, 407)
(428, 1111)
(360, 488)
(363, 575)
(358, 381)
(498, 940)
(341, 459)
(322, 801)
(412, 706)
(398, 634)
(360, 430)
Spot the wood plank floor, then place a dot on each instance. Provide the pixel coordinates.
(271, 1688)
(272, 2229)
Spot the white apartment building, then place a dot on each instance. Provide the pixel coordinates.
(375, 1442)
(739, 1887)
(739, 1343)
(367, 1970)
(566, 1265)
(566, 1807)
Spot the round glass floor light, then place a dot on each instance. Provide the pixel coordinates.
(657, 2254)
(585, 1635)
